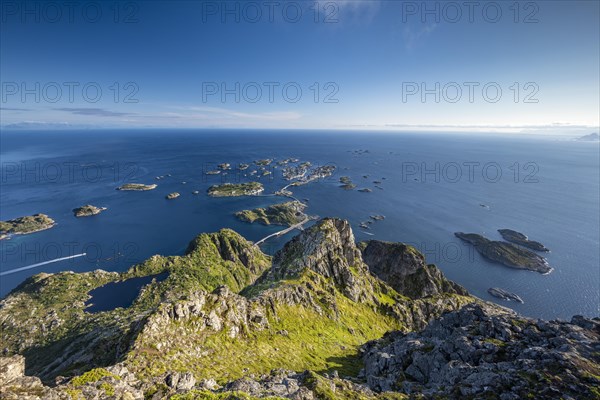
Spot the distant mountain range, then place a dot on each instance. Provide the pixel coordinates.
(592, 137)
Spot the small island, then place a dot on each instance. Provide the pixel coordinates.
(172, 196)
(506, 253)
(236, 189)
(263, 162)
(25, 225)
(137, 187)
(518, 238)
(289, 213)
(505, 295)
(87, 211)
(346, 183)
(365, 190)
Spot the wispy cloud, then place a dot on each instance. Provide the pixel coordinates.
(354, 11)
(280, 115)
(97, 112)
(37, 125)
(14, 109)
(413, 36)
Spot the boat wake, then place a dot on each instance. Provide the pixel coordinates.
(12, 271)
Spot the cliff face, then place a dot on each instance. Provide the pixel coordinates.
(404, 268)
(229, 319)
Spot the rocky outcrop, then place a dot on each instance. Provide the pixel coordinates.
(328, 249)
(403, 268)
(229, 246)
(483, 350)
(221, 310)
(87, 211)
(504, 295)
(14, 385)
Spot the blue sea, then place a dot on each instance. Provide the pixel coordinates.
(432, 185)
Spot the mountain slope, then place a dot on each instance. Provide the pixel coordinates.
(230, 320)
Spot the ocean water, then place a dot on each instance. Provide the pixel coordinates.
(432, 186)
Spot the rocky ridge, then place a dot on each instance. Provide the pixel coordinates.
(231, 321)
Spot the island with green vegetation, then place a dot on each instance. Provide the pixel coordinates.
(289, 213)
(87, 211)
(324, 318)
(263, 162)
(518, 238)
(137, 187)
(25, 225)
(506, 253)
(236, 189)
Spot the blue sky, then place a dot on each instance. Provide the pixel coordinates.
(358, 65)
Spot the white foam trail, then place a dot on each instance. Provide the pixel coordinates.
(12, 271)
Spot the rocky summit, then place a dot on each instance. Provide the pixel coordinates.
(324, 318)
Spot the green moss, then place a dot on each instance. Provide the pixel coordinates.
(74, 394)
(320, 340)
(212, 260)
(496, 342)
(93, 375)
(108, 388)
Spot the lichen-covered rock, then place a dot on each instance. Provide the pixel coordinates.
(14, 385)
(328, 249)
(484, 350)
